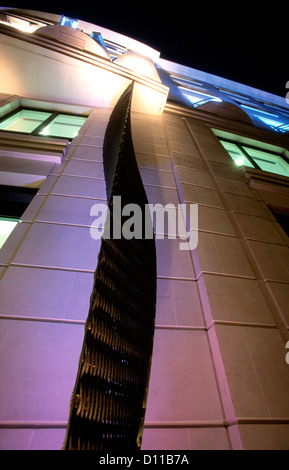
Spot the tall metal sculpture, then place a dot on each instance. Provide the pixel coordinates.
(108, 401)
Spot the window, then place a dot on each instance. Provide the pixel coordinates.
(24, 121)
(197, 98)
(35, 122)
(13, 202)
(98, 38)
(277, 122)
(71, 22)
(268, 161)
(235, 96)
(266, 115)
(194, 91)
(251, 156)
(6, 227)
(282, 112)
(64, 126)
(115, 50)
(235, 151)
(282, 218)
(188, 82)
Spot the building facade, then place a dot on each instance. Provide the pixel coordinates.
(219, 377)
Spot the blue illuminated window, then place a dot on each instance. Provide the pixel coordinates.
(235, 96)
(115, 50)
(197, 98)
(193, 90)
(65, 21)
(277, 122)
(98, 38)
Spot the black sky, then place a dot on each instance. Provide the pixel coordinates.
(243, 41)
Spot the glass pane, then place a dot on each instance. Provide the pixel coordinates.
(6, 227)
(71, 22)
(236, 154)
(269, 162)
(24, 121)
(195, 96)
(277, 122)
(235, 96)
(64, 126)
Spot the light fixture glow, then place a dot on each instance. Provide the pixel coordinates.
(45, 131)
(22, 25)
(239, 161)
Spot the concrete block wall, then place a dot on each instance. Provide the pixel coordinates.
(240, 254)
(184, 408)
(47, 267)
(219, 377)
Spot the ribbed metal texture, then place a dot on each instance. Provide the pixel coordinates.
(108, 401)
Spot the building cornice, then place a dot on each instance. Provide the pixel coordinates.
(229, 125)
(78, 54)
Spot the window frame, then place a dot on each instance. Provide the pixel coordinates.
(251, 160)
(14, 200)
(190, 87)
(260, 116)
(282, 217)
(37, 131)
(4, 239)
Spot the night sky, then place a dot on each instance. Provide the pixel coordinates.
(243, 41)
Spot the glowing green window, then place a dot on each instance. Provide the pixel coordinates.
(244, 155)
(51, 124)
(24, 120)
(64, 126)
(236, 153)
(278, 122)
(268, 161)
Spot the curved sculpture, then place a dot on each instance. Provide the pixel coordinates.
(108, 401)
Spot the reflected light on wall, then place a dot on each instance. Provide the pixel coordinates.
(22, 25)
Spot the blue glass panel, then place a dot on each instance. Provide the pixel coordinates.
(277, 122)
(197, 98)
(98, 38)
(65, 21)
